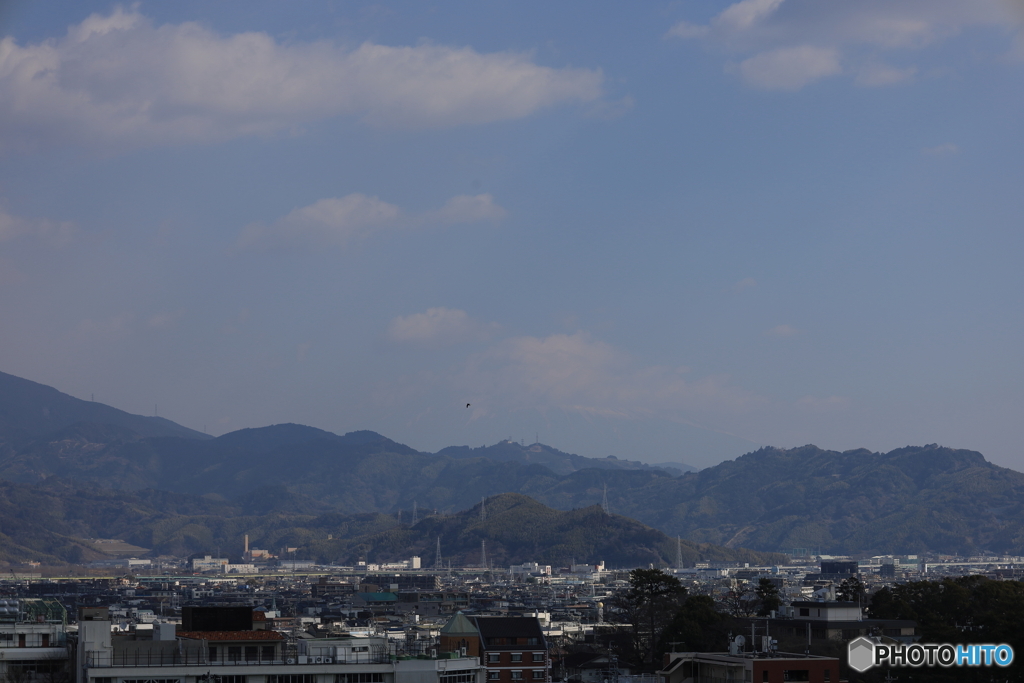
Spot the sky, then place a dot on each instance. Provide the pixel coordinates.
(665, 231)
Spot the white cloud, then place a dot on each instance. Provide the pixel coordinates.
(878, 74)
(119, 80)
(438, 326)
(54, 233)
(338, 221)
(745, 283)
(744, 15)
(685, 29)
(790, 68)
(164, 320)
(466, 209)
(787, 44)
(783, 331)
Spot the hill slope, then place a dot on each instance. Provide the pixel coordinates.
(29, 409)
(52, 523)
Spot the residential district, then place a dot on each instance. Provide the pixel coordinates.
(209, 620)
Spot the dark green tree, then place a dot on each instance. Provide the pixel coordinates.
(650, 604)
(768, 597)
(970, 609)
(851, 590)
(696, 627)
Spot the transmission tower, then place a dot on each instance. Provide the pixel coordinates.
(438, 565)
(483, 510)
(483, 554)
(413, 523)
(604, 501)
(679, 552)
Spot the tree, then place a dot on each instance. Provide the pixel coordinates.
(851, 590)
(696, 627)
(768, 595)
(651, 602)
(969, 609)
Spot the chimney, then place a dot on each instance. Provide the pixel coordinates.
(247, 544)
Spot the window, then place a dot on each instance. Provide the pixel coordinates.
(230, 679)
(517, 656)
(517, 675)
(538, 656)
(250, 653)
(234, 652)
(531, 641)
(359, 678)
(805, 612)
(538, 675)
(493, 675)
(493, 657)
(828, 675)
(796, 675)
(268, 653)
(458, 676)
(213, 653)
(764, 676)
(292, 678)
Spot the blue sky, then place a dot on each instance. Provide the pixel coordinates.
(665, 231)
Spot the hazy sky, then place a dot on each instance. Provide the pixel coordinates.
(664, 231)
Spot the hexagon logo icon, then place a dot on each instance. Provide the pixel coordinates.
(860, 654)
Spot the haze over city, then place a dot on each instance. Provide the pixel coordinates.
(666, 231)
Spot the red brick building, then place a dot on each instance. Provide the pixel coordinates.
(512, 648)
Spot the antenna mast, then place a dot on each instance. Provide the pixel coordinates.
(437, 563)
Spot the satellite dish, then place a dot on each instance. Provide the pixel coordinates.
(740, 640)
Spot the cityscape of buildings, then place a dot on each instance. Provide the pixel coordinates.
(264, 620)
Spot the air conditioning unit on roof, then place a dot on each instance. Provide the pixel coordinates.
(318, 660)
(290, 660)
(328, 660)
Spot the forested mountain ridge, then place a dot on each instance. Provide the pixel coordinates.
(53, 524)
(913, 499)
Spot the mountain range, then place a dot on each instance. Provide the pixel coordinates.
(915, 499)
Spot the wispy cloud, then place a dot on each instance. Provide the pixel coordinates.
(744, 284)
(438, 327)
(783, 331)
(118, 80)
(790, 68)
(53, 233)
(576, 373)
(789, 44)
(336, 222)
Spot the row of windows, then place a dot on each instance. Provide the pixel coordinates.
(359, 678)
(151, 680)
(538, 675)
(234, 653)
(461, 676)
(292, 678)
(513, 641)
(494, 657)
